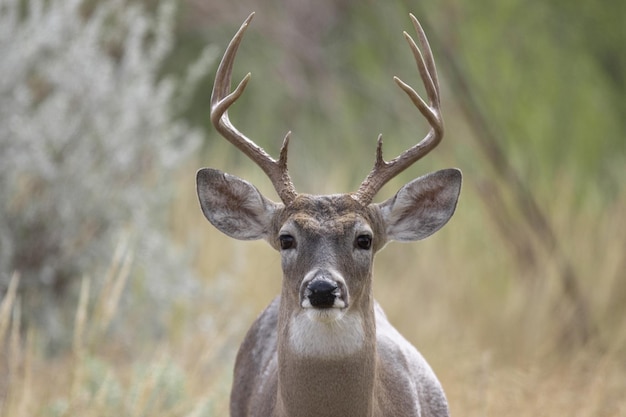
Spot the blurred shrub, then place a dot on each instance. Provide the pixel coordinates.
(88, 143)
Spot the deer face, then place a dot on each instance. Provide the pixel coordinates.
(327, 243)
(327, 246)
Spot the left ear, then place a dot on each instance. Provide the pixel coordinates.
(422, 206)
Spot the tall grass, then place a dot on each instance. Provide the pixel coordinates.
(493, 341)
(101, 375)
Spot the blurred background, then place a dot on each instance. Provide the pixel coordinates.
(119, 298)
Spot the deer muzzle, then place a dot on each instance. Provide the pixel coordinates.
(323, 289)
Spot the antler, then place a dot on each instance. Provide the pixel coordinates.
(384, 171)
(222, 99)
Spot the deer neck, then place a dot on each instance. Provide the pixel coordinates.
(326, 368)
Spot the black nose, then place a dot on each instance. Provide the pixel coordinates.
(321, 293)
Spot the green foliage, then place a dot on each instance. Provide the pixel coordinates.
(544, 87)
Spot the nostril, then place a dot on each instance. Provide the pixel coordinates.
(322, 293)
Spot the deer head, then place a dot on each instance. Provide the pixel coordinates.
(238, 209)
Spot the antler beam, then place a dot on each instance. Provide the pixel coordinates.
(221, 100)
(384, 171)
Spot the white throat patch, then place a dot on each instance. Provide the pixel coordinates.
(316, 334)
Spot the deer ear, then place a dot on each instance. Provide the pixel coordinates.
(422, 206)
(234, 206)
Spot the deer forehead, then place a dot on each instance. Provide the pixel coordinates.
(333, 215)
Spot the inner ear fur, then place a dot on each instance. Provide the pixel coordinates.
(422, 206)
(233, 205)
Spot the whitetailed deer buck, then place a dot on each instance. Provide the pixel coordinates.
(324, 346)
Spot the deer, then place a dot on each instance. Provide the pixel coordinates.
(324, 346)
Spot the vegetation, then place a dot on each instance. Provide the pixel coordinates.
(87, 132)
(519, 303)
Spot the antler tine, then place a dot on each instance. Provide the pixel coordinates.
(384, 171)
(222, 99)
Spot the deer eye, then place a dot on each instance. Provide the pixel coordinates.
(364, 242)
(287, 242)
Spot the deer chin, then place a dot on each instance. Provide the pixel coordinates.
(325, 315)
(329, 332)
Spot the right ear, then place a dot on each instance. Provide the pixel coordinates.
(234, 206)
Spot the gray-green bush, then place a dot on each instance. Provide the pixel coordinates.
(88, 144)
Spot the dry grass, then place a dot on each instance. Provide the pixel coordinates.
(101, 376)
(493, 340)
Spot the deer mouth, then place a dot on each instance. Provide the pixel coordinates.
(322, 290)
